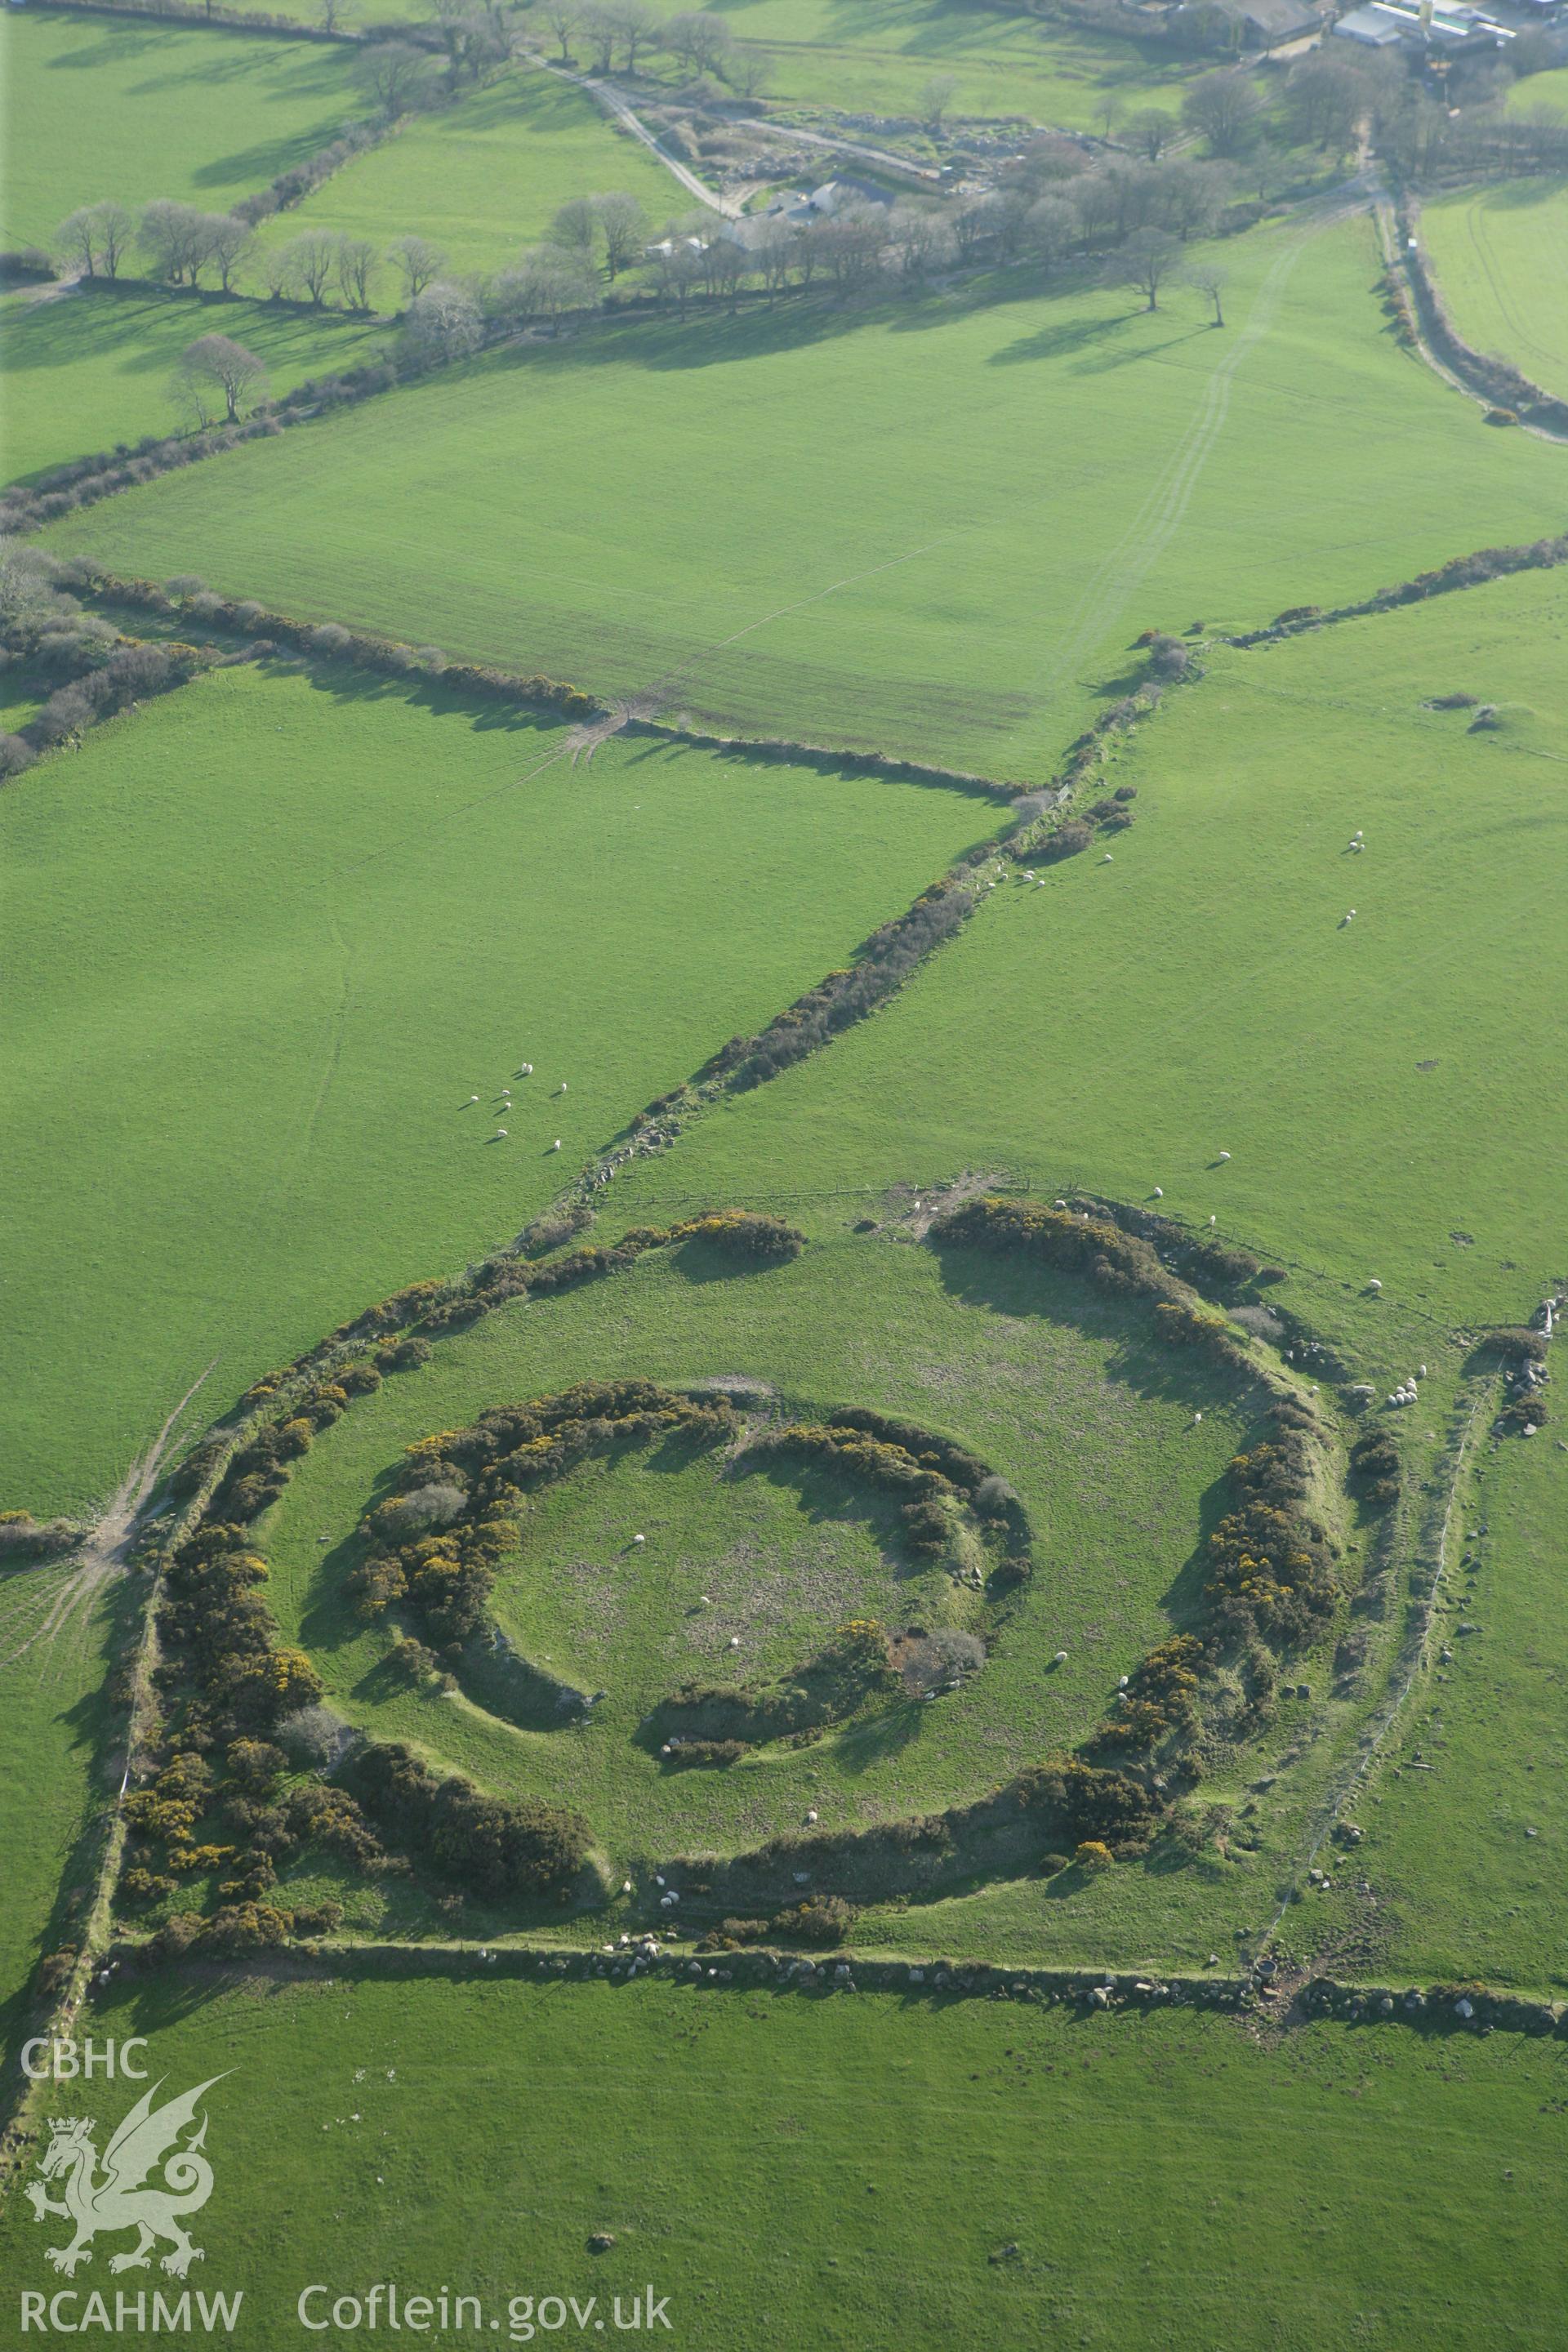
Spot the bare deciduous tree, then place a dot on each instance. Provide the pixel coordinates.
(562, 17)
(1149, 132)
(356, 261)
(853, 246)
(749, 72)
(98, 238)
(1209, 280)
(546, 282)
(215, 375)
(676, 264)
(1147, 260)
(773, 250)
(228, 243)
(623, 229)
(442, 322)
(1050, 229)
(702, 41)
(1224, 107)
(936, 99)
(575, 227)
(396, 75)
(172, 238)
(305, 266)
(418, 262)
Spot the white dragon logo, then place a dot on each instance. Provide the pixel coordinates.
(117, 2200)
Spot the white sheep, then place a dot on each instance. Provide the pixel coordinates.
(1106, 860)
(1159, 1192)
(556, 1145)
(1213, 1220)
(735, 1641)
(1198, 1416)
(1060, 1659)
(473, 1098)
(500, 1135)
(811, 1818)
(639, 1539)
(1225, 1155)
(1374, 1283)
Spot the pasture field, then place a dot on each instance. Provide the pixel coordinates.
(1462, 1888)
(138, 110)
(846, 2171)
(82, 372)
(876, 56)
(1086, 469)
(58, 1646)
(1387, 1087)
(1501, 255)
(264, 939)
(483, 178)
(1066, 1396)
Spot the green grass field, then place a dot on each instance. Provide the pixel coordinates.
(57, 1649)
(876, 56)
(845, 2172)
(1086, 469)
(138, 110)
(273, 948)
(1501, 255)
(1384, 1087)
(263, 939)
(84, 372)
(482, 179)
(1462, 1888)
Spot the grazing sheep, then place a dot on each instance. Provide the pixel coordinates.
(501, 1134)
(1374, 1283)
(1159, 1192)
(735, 1641)
(1225, 1155)
(1060, 1659)
(556, 1145)
(811, 1817)
(639, 1539)
(473, 1098)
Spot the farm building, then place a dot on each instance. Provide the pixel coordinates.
(1450, 27)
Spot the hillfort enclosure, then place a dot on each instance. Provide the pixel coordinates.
(782, 835)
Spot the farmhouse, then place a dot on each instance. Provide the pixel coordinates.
(1255, 23)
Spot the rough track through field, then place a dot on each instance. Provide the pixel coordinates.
(1123, 570)
(102, 1553)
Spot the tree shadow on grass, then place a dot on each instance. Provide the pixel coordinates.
(861, 1747)
(1057, 339)
(1014, 1286)
(822, 1494)
(417, 692)
(757, 330)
